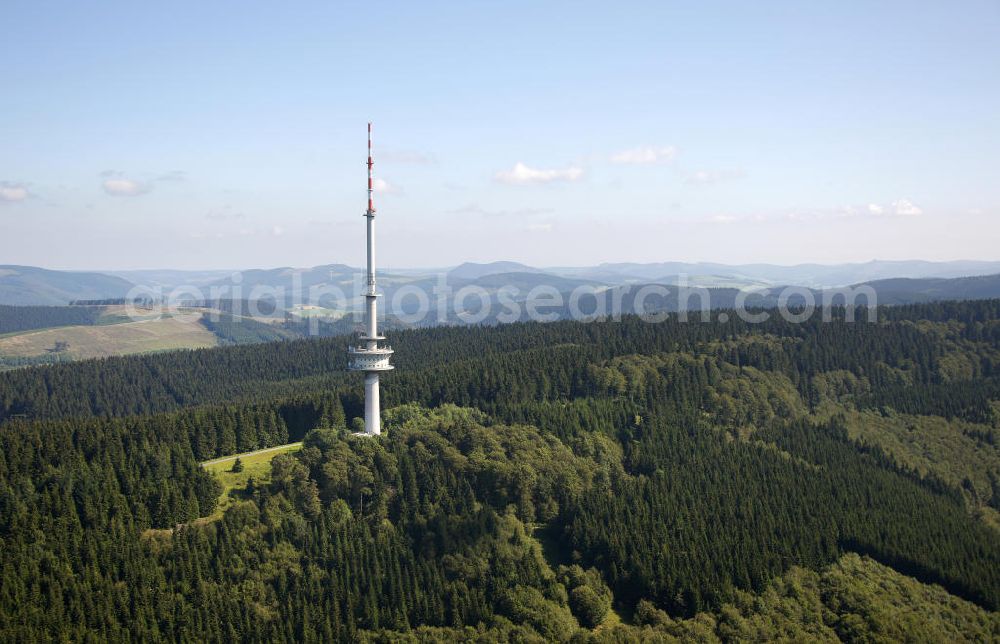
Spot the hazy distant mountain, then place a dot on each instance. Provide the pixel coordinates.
(811, 275)
(890, 292)
(311, 285)
(909, 281)
(169, 279)
(911, 291)
(524, 282)
(24, 285)
(285, 278)
(657, 297)
(345, 277)
(842, 274)
(714, 281)
(472, 270)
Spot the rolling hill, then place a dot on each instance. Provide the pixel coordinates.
(80, 342)
(912, 291)
(21, 285)
(472, 270)
(28, 285)
(811, 275)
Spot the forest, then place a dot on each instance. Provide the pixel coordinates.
(607, 481)
(26, 318)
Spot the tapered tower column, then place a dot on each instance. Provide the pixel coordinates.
(371, 358)
(373, 413)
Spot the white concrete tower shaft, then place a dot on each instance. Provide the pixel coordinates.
(371, 358)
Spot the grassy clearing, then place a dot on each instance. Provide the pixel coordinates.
(255, 464)
(119, 314)
(144, 336)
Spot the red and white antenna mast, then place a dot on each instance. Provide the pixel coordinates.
(371, 164)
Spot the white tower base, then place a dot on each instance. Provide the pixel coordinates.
(373, 421)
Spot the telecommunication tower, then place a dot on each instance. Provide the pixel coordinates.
(371, 358)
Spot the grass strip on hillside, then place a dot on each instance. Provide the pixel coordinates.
(256, 465)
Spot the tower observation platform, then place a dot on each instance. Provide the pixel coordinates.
(365, 359)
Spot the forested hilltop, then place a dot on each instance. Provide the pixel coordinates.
(610, 481)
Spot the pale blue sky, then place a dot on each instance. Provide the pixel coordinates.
(231, 134)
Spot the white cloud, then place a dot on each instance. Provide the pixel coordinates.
(120, 187)
(645, 155)
(522, 174)
(382, 186)
(906, 208)
(277, 231)
(700, 177)
(898, 208)
(711, 177)
(475, 209)
(117, 184)
(13, 192)
(538, 228)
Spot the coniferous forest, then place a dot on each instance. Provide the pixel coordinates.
(607, 481)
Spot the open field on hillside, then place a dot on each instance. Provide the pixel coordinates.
(119, 313)
(143, 336)
(310, 311)
(255, 464)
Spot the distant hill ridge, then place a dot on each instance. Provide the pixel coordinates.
(25, 285)
(29, 285)
(811, 275)
(904, 290)
(472, 270)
